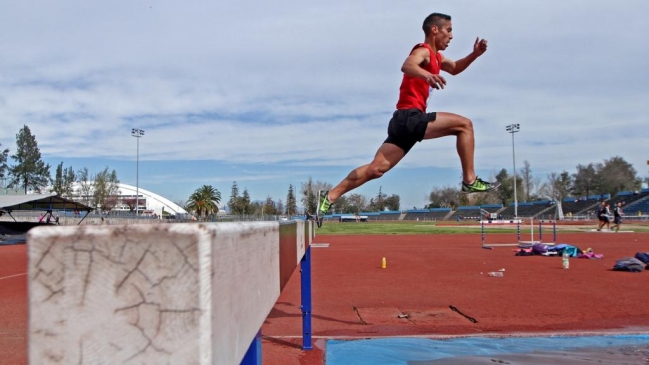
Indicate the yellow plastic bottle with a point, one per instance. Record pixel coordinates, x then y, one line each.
384 263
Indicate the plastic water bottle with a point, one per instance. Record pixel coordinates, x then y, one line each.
565 259
496 274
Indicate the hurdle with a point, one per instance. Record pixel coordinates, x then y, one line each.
519 242
183 293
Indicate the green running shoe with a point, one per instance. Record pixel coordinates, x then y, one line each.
323 206
479 186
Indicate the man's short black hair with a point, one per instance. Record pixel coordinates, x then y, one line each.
437 19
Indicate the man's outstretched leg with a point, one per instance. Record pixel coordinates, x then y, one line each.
449 124
385 158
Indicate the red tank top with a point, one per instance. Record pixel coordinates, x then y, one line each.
413 93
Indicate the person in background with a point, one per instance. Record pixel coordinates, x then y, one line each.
602 216
617 216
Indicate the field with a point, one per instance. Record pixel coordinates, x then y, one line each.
446 227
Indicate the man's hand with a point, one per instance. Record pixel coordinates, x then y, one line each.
480 46
435 81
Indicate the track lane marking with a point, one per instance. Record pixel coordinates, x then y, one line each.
13 276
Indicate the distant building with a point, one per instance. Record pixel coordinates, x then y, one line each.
148 203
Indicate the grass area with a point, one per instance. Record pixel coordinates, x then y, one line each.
408 227
365 228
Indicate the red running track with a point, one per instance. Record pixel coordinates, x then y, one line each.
353 297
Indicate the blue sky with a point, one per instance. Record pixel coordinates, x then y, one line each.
270 93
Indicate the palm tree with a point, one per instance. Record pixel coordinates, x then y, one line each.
204 201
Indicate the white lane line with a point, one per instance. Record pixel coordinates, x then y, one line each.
12 276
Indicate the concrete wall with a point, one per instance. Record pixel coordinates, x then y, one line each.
154 294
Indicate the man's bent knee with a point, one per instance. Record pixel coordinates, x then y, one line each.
466 124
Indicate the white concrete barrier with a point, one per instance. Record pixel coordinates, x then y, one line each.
154 294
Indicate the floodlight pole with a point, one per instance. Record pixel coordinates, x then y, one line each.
513 128
137 133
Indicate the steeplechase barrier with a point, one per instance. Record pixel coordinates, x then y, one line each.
519 241
161 294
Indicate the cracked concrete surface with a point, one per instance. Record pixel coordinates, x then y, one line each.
150 294
128 294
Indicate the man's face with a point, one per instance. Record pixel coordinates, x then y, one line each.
443 35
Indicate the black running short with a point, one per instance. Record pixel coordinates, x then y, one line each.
407 127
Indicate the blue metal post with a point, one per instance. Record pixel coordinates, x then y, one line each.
305 275
253 355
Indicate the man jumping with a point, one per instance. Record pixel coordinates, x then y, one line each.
411 124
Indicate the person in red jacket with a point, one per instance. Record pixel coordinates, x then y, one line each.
411 123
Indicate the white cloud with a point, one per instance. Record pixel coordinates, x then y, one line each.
293 83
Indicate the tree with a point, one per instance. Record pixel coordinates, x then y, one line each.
105 186
3 162
529 183
63 182
584 181
557 186
269 207
204 201
233 203
445 197
85 186
130 203
506 189
309 197
291 202
352 204
377 204
393 202
244 202
280 207
616 175
310 194
255 208
29 171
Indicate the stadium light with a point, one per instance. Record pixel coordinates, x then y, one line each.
137 133
513 128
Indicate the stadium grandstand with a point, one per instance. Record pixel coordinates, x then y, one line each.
540 209
471 212
636 204
433 214
491 208
573 206
394 215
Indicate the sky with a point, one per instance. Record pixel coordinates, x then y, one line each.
270 93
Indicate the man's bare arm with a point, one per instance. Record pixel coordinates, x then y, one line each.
413 67
455 67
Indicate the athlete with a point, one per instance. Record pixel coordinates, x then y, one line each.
411 123
617 216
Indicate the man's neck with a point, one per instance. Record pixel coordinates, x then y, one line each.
431 44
